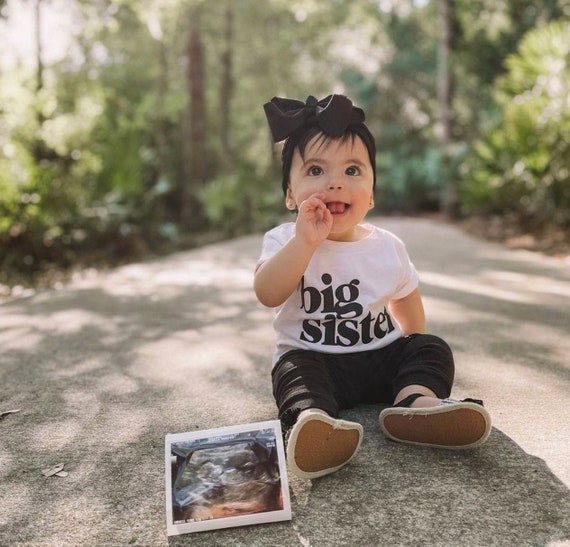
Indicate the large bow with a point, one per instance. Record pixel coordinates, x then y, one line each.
333 115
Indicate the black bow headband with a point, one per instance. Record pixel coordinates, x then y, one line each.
333 115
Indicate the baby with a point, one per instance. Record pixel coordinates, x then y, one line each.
349 316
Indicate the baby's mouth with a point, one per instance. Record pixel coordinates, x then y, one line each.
337 207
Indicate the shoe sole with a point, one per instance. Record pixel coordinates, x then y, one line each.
456 426
320 445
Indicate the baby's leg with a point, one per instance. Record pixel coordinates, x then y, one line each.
428 397
317 442
419 415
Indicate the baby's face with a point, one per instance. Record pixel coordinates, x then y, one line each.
342 174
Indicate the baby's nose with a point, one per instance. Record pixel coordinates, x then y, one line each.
335 183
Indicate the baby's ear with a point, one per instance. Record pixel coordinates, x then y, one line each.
290 201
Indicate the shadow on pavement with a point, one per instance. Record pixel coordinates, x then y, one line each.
400 495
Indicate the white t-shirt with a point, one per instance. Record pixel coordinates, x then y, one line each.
341 303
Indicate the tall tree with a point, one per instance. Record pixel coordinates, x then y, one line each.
161 133
39 146
195 162
227 87
445 99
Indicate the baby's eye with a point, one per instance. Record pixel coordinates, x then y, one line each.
315 171
353 171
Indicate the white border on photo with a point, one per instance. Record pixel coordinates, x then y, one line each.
175 528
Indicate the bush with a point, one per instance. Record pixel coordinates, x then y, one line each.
522 166
409 181
242 201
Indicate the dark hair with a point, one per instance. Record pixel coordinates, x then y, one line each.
301 138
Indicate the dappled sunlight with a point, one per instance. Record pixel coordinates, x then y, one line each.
19 339
512 392
506 378
71 321
174 360
527 282
81 402
204 273
496 253
18 331
166 360
158 281
27 333
7 461
215 313
85 367
474 287
57 434
439 310
116 384
528 334
261 335
119 425
181 344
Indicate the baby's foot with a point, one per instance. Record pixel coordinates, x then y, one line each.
433 422
319 445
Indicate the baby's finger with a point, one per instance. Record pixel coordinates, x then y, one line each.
314 202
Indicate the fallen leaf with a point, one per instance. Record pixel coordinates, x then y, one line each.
53 470
5 413
62 474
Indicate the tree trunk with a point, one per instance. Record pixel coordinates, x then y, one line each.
227 88
445 99
195 156
162 141
39 60
39 148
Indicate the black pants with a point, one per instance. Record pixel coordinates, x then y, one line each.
331 382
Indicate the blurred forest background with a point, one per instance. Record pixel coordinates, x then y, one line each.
130 127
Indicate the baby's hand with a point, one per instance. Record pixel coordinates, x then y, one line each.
314 220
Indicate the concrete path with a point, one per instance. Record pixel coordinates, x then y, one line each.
103 369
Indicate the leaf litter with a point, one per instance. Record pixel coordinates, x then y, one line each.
5 413
56 470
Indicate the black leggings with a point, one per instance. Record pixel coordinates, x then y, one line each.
331 382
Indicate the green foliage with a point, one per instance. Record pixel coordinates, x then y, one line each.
242 201
97 151
409 180
80 160
521 165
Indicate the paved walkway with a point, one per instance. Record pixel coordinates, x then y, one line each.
102 369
